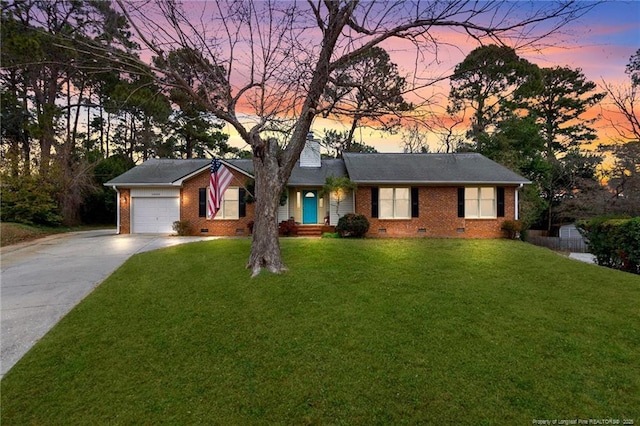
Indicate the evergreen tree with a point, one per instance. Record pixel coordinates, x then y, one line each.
368 90
557 102
485 82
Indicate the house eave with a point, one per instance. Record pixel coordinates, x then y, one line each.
205 168
190 175
179 182
146 185
238 169
440 183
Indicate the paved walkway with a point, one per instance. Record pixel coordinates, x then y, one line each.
42 280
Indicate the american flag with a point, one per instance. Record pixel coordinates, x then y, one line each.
218 184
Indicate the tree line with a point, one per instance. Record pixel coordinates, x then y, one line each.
532 120
73 117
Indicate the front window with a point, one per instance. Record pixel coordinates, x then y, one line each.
229 207
480 203
395 203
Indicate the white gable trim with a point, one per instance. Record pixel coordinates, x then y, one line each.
190 175
180 181
244 172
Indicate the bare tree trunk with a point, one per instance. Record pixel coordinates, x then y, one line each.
273 168
88 136
26 142
349 142
46 94
103 149
102 135
14 139
68 93
129 136
265 245
74 131
13 157
478 126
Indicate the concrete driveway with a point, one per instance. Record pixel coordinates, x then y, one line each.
43 280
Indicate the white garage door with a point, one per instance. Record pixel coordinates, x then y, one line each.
154 215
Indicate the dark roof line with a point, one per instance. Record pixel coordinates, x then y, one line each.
381 168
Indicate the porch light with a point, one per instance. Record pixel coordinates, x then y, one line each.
124 199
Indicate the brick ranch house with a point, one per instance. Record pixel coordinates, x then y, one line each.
402 195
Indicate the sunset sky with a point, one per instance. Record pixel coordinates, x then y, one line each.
600 44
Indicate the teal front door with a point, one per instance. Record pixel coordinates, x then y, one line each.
310 207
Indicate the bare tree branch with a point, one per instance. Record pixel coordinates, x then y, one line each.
625 101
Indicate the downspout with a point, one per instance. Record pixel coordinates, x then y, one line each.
517 202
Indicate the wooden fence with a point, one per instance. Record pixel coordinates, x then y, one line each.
575 245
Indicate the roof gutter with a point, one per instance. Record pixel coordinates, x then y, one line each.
447 182
517 202
146 185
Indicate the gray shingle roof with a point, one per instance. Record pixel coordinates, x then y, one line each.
163 172
467 168
159 171
245 166
301 176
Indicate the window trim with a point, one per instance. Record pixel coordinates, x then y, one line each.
479 199
394 201
220 215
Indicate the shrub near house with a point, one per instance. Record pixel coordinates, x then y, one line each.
352 225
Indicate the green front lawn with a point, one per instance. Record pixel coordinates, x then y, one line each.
358 332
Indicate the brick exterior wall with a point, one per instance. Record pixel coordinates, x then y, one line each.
189 207
125 210
438 216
